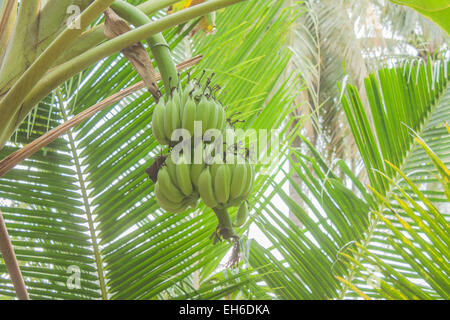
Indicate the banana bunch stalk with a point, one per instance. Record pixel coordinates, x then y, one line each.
183 108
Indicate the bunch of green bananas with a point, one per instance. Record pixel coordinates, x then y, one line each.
223 183
226 185
183 108
174 189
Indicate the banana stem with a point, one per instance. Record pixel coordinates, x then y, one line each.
225 225
153 6
8 15
158 45
226 231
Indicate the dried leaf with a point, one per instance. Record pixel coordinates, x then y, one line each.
136 53
153 170
181 5
206 24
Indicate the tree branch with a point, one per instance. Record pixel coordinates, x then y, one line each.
7 21
11 263
158 45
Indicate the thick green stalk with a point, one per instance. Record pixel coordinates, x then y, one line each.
53 18
21 49
7 20
153 6
11 103
158 45
39 24
225 225
83 61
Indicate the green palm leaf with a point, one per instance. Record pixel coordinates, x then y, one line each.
91 203
338 224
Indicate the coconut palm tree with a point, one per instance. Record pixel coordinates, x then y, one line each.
376 241
337 40
81 212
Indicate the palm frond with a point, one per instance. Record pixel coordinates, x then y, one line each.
338 223
91 186
412 260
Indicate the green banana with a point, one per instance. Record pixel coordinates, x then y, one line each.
250 180
176 121
183 173
165 203
238 180
189 115
213 169
158 123
205 188
241 215
196 169
222 183
221 117
180 185
176 97
181 109
167 186
185 95
213 115
203 113
171 168
170 106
